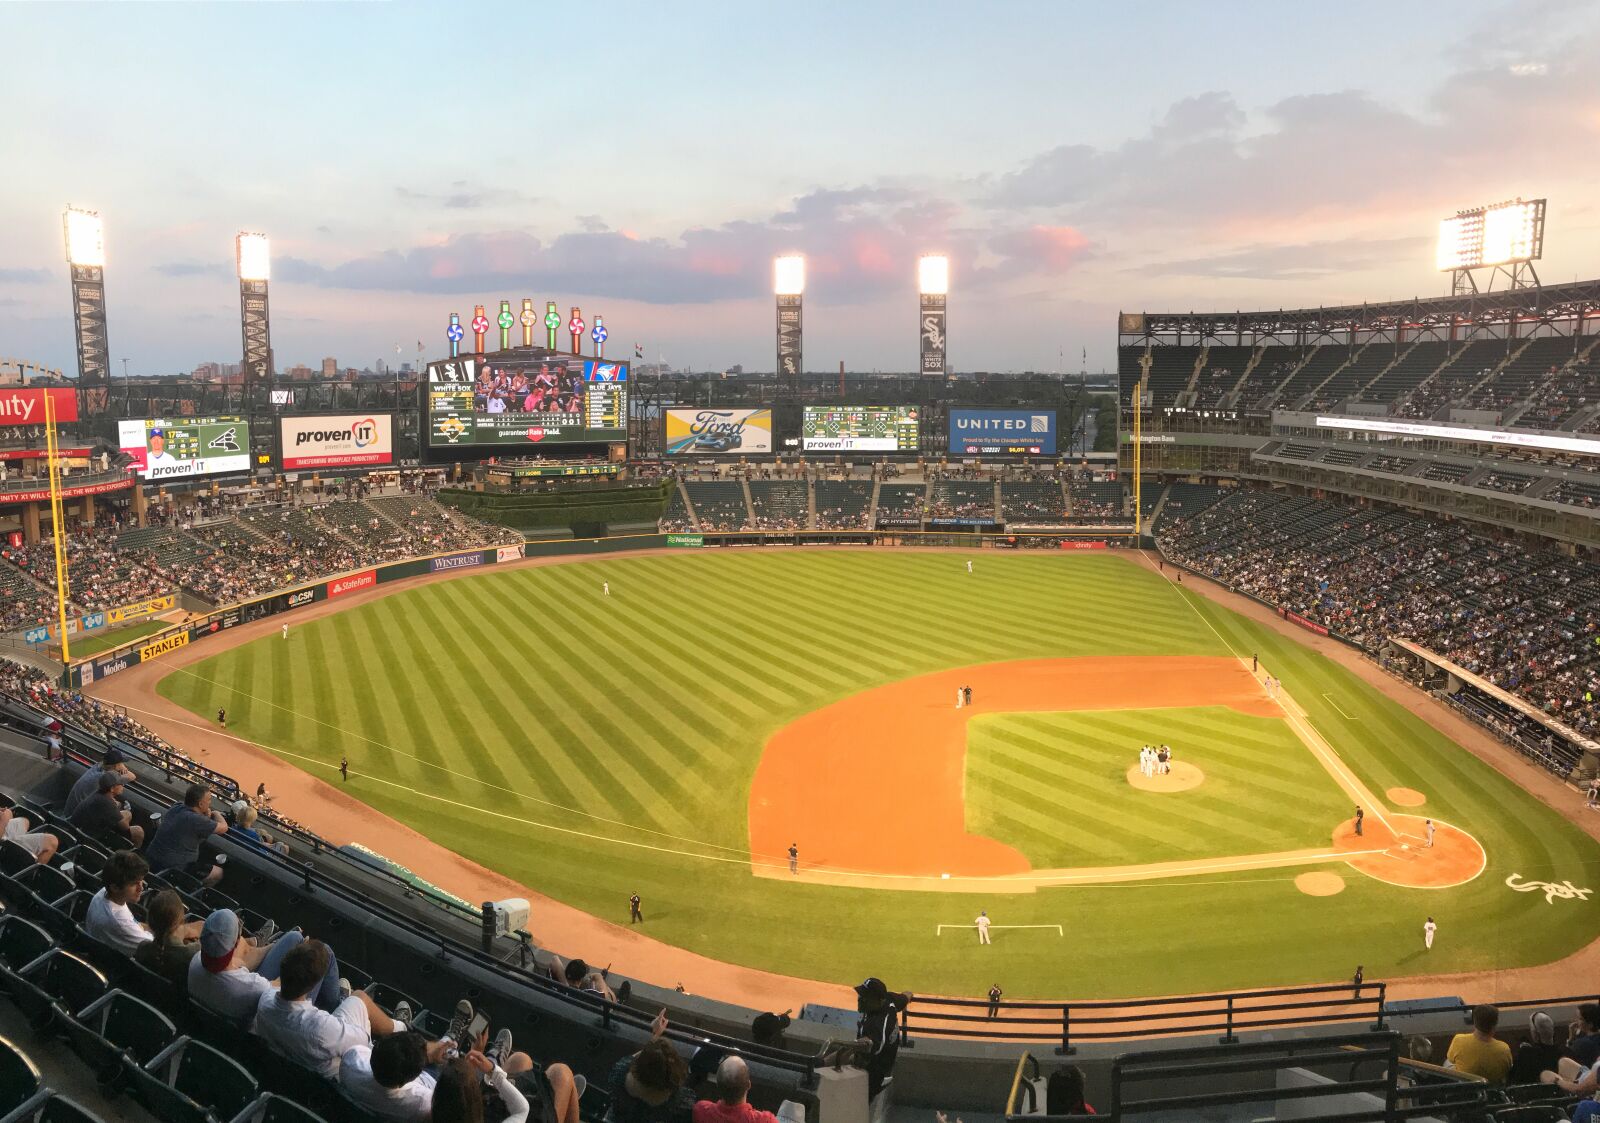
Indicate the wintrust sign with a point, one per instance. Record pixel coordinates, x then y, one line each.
457 561
25 406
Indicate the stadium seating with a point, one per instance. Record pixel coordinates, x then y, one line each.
1524 619
901 502
1095 502
1451 384
1033 502
1221 371
843 504
1367 364
951 499
780 504
1311 372
676 517
719 504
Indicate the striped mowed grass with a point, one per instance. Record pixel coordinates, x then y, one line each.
592 746
1055 786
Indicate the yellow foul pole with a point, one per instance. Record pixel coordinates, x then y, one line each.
1138 448
58 522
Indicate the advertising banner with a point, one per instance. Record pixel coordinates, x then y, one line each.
552 400
42 494
932 333
1003 432
1078 544
789 337
689 540
456 561
709 431
352 582
507 553
140 609
166 450
336 441
1308 625
163 646
24 405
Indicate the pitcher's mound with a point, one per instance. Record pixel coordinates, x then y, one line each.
1319 884
1182 777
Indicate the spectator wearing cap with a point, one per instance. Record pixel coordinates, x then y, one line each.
183 828
87 784
767 1029
293 1027
231 973
102 814
732 1104
878 1031
18 829
1538 1054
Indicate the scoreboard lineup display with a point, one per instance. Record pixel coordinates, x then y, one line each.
561 400
860 429
168 450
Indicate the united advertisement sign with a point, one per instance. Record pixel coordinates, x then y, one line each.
1002 432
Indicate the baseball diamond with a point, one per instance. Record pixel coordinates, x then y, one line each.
676 739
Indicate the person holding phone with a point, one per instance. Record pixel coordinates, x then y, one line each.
524 1090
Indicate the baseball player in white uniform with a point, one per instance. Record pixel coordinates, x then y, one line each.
286 631
1428 930
969 567
983 927
958 697
605 588
1428 823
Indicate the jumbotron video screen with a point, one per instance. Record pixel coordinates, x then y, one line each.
562 400
860 429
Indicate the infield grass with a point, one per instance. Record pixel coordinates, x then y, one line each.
593 746
1055 786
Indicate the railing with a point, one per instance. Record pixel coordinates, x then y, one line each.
1068 1024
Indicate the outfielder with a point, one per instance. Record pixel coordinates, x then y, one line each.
605 588
969 567
1428 930
286 631
983 927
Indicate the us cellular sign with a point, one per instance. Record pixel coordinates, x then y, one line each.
338 441
1000 432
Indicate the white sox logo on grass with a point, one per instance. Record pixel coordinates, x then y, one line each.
1553 890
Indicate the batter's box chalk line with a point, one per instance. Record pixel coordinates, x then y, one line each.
939 928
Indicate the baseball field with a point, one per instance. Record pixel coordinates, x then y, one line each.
675 737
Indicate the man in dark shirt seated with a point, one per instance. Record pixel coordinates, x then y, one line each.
183 828
1583 1038
101 814
85 785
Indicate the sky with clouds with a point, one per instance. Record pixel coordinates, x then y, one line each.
646 161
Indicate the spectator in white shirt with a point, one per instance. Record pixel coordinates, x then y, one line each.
231 973
295 1028
110 917
390 1078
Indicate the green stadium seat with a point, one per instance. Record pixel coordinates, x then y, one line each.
22 941
19 1077
53 1108
190 1082
14 857
116 1031
70 982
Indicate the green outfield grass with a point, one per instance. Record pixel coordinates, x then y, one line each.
591 746
1055 787
83 646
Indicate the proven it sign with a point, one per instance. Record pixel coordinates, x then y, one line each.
25 405
337 441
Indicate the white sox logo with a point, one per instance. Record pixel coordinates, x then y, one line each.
1553 890
933 332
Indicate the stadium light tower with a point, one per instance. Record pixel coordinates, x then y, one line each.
253 253
789 284
933 288
1506 239
86 257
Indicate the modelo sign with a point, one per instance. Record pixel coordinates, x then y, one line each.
990 432
338 441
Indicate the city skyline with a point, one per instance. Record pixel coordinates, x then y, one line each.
1096 158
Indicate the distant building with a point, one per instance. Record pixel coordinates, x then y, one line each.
298 373
330 368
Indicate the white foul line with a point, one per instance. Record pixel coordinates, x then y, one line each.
1336 706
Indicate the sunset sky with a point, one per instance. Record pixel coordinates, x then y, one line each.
645 161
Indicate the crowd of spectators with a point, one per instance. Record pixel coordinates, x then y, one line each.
1526 620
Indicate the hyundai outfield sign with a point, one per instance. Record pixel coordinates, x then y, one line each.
999 432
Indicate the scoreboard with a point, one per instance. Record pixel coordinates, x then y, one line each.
555 399
860 429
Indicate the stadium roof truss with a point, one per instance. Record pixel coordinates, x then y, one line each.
1569 309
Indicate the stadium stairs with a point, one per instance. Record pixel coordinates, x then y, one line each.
688 505
872 508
